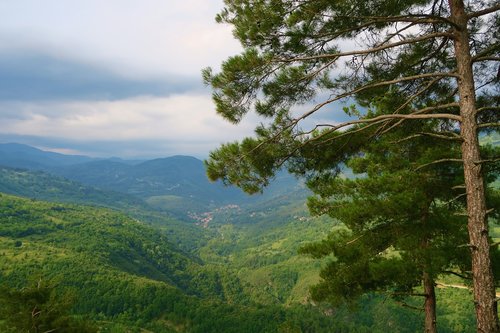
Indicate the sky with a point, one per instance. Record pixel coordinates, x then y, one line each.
113 77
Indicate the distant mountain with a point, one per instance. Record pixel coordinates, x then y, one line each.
181 176
178 183
23 156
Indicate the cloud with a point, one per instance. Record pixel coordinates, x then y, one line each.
42 77
140 39
115 77
181 124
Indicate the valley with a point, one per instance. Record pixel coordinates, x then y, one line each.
153 246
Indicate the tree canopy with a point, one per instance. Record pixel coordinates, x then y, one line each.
386 64
404 229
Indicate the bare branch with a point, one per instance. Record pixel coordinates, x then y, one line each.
406 305
484 11
393 116
458 274
466 245
453 136
486 58
374 85
484 125
487 161
467 215
434 135
354 240
456 198
408 294
439 161
488 108
445 285
369 51
418 18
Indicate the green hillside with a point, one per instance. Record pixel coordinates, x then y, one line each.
124 273
45 186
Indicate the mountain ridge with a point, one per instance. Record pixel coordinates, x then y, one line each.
173 181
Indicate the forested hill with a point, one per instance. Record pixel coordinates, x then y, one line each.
122 275
45 186
176 184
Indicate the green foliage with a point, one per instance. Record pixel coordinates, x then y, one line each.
37 308
400 222
402 212
111 267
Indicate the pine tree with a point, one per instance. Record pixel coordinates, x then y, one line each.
37 308
439 57
402 227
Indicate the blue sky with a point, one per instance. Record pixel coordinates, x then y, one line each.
113 78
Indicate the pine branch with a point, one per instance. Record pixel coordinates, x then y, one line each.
409 100
370 121
379 19
491 49
393 116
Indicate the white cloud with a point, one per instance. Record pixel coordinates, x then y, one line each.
186 121
141 39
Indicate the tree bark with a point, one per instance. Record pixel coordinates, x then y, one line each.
483 281
430 304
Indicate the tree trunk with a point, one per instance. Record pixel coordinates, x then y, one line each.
483 281
430 304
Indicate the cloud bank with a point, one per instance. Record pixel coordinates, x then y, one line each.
114 78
